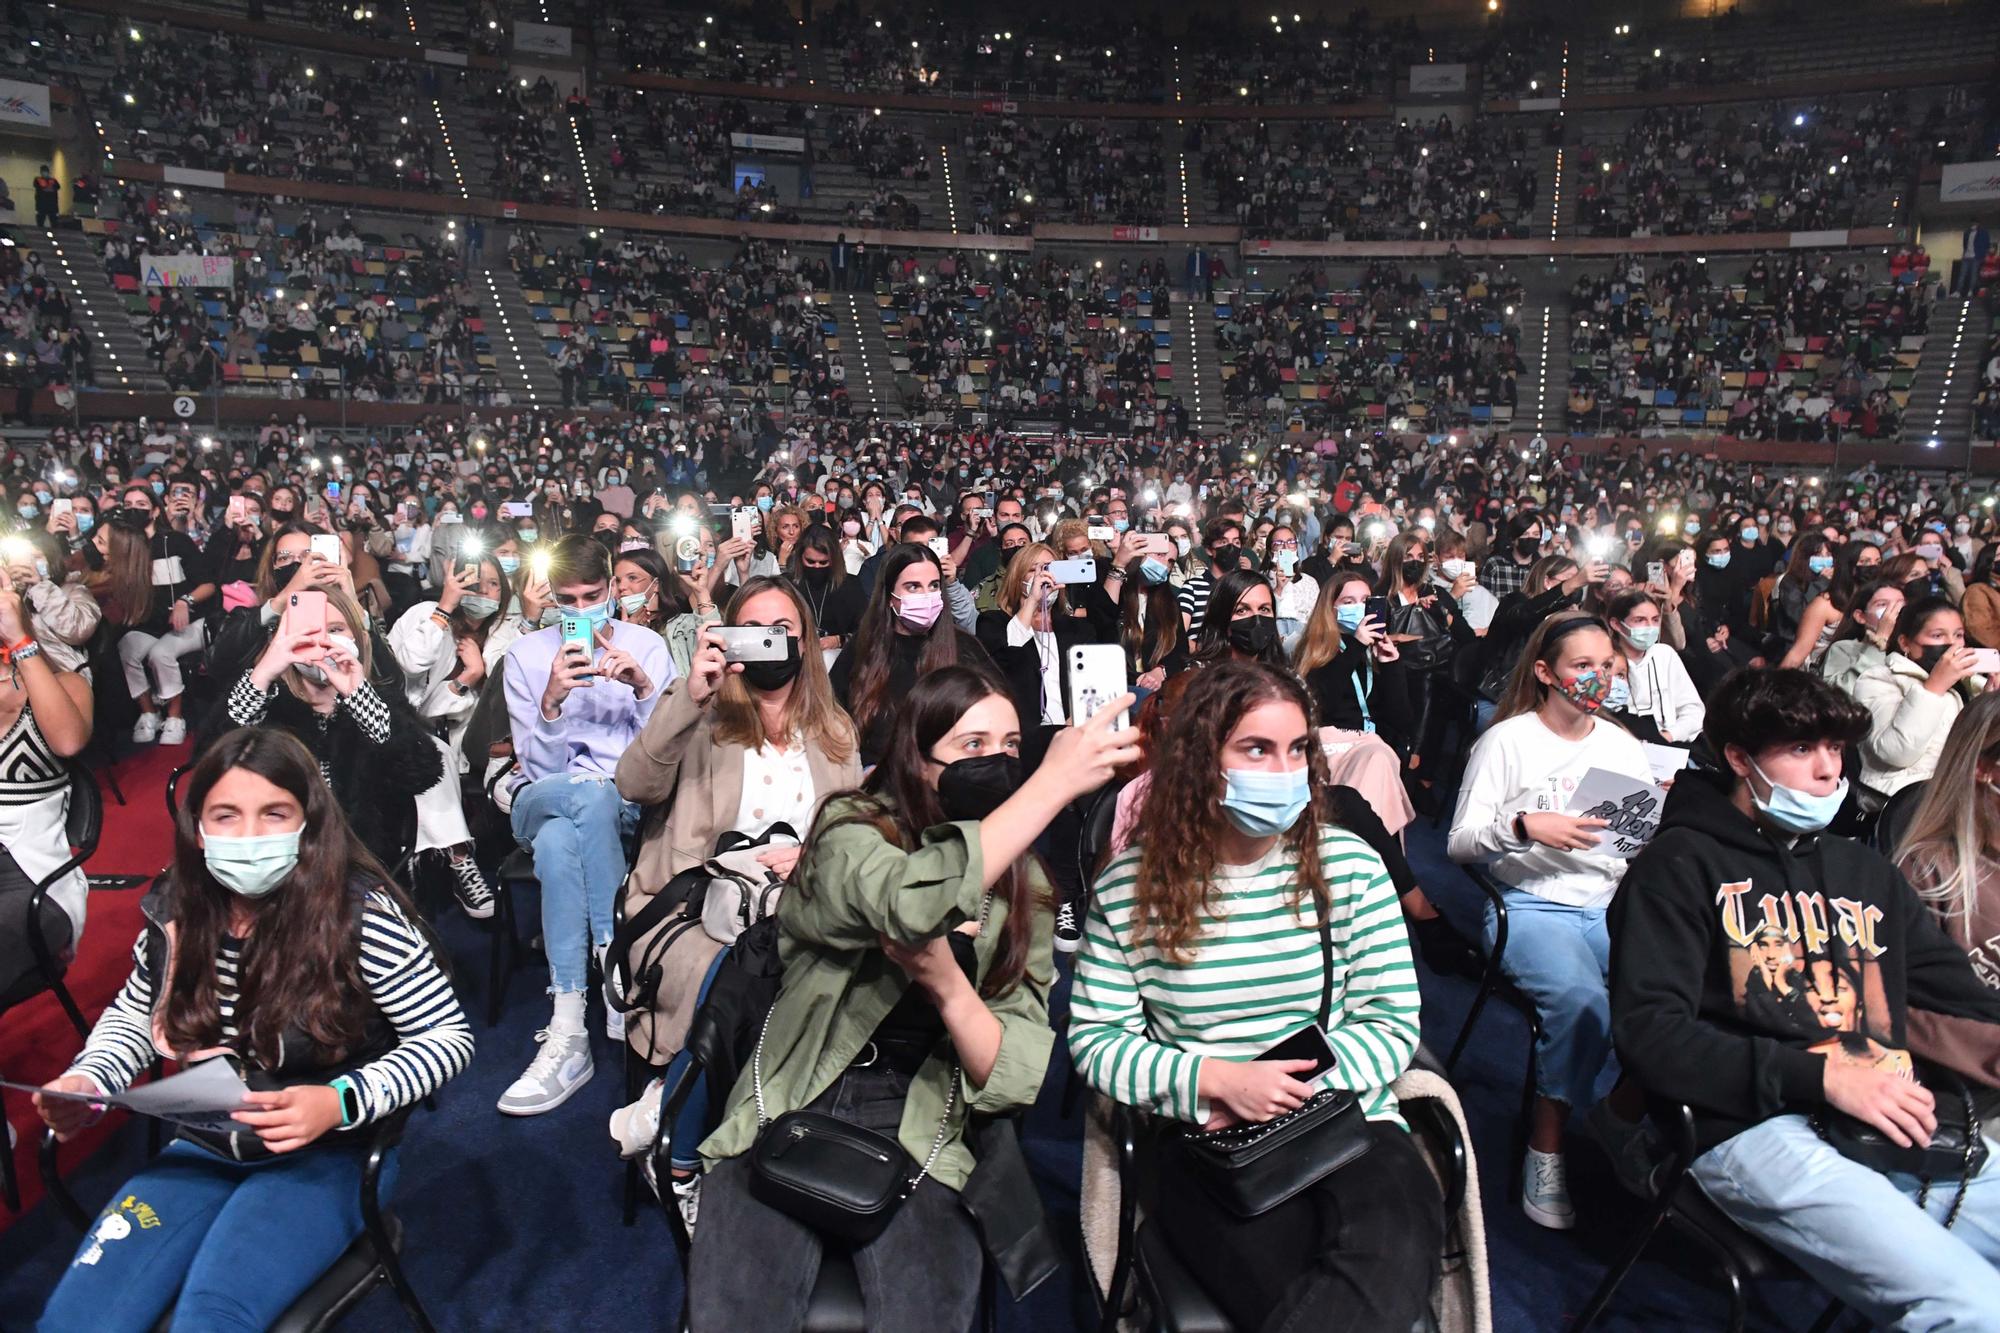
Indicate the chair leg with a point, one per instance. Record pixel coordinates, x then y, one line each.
108 770
385 1251
1526 1123
500 959
1828 1318
1627 1257
1487 985
630 1200
10 1187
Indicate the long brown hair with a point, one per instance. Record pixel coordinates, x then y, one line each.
1151 628
1321 641
875 638
811 712
126 578
899 803
301 965
1183 815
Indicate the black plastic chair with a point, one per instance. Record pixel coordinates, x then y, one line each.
83 828
1679 1200
1176 1300
371 1260
517 868
1894 819
1493 982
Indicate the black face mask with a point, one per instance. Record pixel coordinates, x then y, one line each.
1227 558
774 675
816 578
1931 656
1527 546
1254 635
974 788
1413 572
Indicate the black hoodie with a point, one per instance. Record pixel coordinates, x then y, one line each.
1741 960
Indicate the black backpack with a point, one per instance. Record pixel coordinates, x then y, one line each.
723 1035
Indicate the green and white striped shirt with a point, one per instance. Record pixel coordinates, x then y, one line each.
1140 1024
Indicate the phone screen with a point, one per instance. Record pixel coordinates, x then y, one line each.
1308 1043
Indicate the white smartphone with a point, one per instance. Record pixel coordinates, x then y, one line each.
752 643
940 547
1101 532
62 505
743 524
1985 661
517 509
1096 677
326 546
1656 573
1081 570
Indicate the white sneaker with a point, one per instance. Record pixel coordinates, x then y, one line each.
174 731
147 729
614 1019
1545 1191
687 1198
559 1068
636 1126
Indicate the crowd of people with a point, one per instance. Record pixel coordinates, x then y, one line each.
838 677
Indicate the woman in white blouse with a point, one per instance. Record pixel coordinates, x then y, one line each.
1296 593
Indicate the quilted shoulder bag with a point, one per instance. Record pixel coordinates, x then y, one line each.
1956 1150
1250 1169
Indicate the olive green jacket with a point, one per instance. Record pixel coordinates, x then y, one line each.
839 985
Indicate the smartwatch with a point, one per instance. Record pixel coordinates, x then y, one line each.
1521 826
350 1099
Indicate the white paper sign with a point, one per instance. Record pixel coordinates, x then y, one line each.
201 1096
1631 807
1664 760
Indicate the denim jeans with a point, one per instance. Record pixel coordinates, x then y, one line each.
239 1241
753 1267
1560 957
691 1126
575 825
1859 1233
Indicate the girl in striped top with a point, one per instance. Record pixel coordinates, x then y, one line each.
1203 950
283 944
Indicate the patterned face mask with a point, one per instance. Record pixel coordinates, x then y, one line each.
1586 689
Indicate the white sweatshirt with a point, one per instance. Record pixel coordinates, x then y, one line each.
1520 766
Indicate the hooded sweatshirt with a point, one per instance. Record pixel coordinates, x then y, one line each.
1742 960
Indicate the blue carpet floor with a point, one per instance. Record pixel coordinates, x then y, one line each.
514 1224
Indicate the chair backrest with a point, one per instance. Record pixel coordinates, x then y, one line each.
1093 840
1895 818
174 791
85 824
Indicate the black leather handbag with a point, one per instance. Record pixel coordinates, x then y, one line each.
842 1180
1251 1169
1956 1150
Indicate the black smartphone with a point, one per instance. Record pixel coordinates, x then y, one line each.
1308 1043
1377 609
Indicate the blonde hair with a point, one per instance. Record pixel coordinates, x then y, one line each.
1946 839
811 712
1321 641
1012 580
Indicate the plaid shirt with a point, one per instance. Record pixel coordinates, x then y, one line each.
1502 574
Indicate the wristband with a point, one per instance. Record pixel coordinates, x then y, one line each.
350 1099
1521 826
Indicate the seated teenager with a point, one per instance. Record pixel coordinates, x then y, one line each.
573 712
281 942
318 685
1351 664
1950 850
1651 694
917 968
1765 974
732 748
1556 877
1202 950
1913 697
1862 642
1239 622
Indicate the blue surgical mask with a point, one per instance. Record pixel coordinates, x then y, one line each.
84 522
633 604
251 867
528 534
764 503
1350 617
510 565
477 607
1154 571
1120 524
1263 805
1819 564
28 509
1642 637
597 616
1748 533
159 488
1797 811
1619 697
1719 561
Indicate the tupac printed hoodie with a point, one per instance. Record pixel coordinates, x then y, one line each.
1743 959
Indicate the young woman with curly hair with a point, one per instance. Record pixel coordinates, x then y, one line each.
1204 949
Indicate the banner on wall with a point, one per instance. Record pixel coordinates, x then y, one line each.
1135 233
542 39
25 104
1969 182
768 143
188 271
1437 78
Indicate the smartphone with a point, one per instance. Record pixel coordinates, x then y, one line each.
1985 661
62 505
743 524
1096 677
1308 1043
236 512
1159 545
1656 573
752 643
577 630
517 509
940 547
1083 569
687 554
982 513
1377 610
306 613
1101 532
1931 551
327 547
